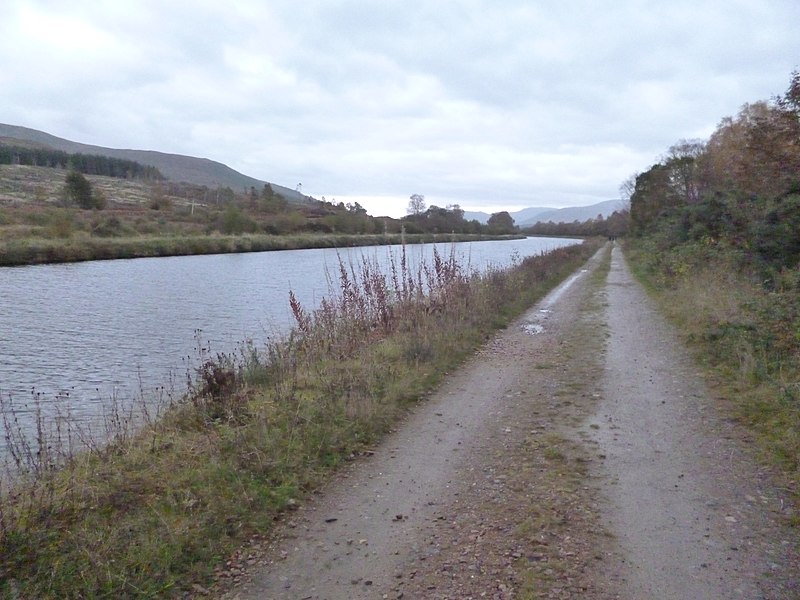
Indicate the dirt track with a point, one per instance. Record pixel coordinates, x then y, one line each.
576 456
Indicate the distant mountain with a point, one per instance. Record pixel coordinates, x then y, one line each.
175 167
521 215
572 213
538 214
527 214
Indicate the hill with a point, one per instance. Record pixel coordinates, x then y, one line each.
175 167
538 214
572 213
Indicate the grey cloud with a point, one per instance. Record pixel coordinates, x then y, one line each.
472 100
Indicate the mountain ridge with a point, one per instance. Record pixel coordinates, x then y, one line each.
176 167
540 214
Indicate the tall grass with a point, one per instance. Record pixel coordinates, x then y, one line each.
159 505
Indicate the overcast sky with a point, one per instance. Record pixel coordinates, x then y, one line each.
490 104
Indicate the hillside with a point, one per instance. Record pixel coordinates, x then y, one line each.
573 213
175 167
539 214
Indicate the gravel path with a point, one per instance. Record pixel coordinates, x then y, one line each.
571 457
694 514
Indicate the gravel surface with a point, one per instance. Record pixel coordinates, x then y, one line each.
576 455
694 513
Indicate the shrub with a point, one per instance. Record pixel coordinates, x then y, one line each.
78 190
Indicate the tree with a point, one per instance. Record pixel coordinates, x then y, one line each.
456 210
652 196
235 222
445 220
758 151
272 202
78 190
355 208
501 222
626 189
682 163
416 205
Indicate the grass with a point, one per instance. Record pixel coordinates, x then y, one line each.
155 509
745 334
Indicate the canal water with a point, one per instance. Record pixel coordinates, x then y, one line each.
77 338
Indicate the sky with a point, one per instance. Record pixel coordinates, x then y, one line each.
489 104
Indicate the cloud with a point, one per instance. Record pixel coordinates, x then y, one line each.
505 103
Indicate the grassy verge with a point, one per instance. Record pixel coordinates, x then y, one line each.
152 512
28 251
748 336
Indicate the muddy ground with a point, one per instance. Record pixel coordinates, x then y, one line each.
577 455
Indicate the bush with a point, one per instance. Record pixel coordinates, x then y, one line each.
78 191
776 238
235 222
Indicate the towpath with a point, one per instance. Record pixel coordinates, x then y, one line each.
577 455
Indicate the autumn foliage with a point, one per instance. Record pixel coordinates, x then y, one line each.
716 235
740 188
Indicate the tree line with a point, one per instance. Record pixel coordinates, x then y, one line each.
88 164
739 189
434 219
613 226
268 212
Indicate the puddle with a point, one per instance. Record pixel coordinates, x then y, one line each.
533 328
